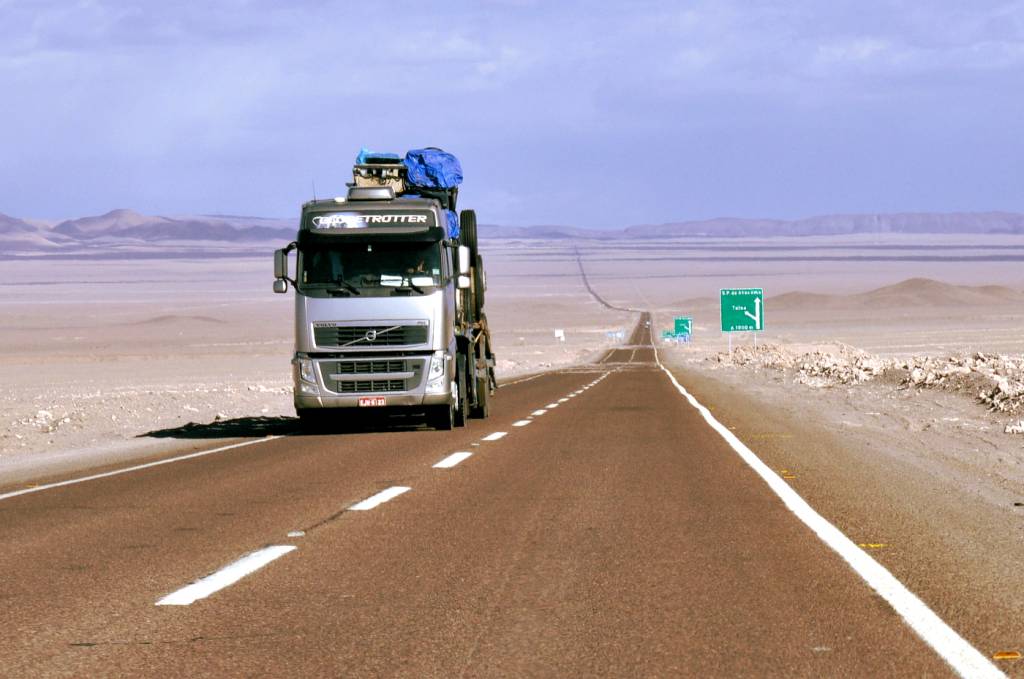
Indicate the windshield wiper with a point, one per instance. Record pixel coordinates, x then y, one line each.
412 286
345 287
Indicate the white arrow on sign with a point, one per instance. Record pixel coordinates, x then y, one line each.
756 316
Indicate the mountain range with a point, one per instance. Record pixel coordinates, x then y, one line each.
126 230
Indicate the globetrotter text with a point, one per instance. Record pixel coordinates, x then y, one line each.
355 220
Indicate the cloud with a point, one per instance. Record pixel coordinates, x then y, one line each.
254 96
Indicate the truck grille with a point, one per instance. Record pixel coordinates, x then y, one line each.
360 335
370 386
367 367
372 376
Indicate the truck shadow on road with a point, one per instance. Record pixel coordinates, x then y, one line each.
258 427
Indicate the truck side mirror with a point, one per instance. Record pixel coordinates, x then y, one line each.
280 265
464 282
464 262
280 285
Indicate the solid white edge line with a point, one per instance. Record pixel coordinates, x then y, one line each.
379 499
521 423
452 460
950 646
495 436
229 575
135 468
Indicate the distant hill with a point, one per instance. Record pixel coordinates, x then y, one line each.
128 224
925 291
17 235
909 294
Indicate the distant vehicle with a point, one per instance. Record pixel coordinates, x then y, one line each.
389 303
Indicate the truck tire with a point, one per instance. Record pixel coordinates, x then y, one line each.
478 287
482 409
442 417
467 229
462 406
309 419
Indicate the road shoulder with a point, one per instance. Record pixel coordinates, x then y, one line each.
947 531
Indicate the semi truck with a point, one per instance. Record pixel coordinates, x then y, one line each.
389 297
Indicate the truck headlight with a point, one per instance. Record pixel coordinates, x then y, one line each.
435 374
306 370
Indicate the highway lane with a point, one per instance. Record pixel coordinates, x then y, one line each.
607 531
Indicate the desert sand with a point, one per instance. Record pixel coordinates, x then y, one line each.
122 354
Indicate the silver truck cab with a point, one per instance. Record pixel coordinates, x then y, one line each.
376 315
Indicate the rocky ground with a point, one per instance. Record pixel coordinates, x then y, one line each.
995 382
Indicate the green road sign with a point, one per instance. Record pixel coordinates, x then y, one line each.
666 334
742 309
683 325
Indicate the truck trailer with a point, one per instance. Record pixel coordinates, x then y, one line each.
389 293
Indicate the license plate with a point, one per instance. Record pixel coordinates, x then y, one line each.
372 401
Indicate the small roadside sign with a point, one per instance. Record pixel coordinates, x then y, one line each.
683 325
742 309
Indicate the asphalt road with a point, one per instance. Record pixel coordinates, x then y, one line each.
610 531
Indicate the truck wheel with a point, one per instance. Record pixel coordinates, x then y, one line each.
467 229
482 410
442 418
307 418
478 287
462 407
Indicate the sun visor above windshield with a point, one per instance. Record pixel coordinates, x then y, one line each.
373 234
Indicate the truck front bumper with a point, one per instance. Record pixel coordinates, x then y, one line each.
397 400
319 387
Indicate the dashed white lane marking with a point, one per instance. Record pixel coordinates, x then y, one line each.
538 413
379 499
135 468
494 437
229 575
562 400
521 423
950 646
524 379
551 405
452 460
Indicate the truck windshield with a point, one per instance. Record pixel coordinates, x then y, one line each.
386 268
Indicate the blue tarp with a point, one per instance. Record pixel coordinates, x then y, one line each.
366 154
450 216
433 169
453 223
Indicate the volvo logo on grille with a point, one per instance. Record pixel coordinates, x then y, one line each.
371 335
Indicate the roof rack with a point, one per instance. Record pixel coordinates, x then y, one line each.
380 173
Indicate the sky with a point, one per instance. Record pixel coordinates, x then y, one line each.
590 114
